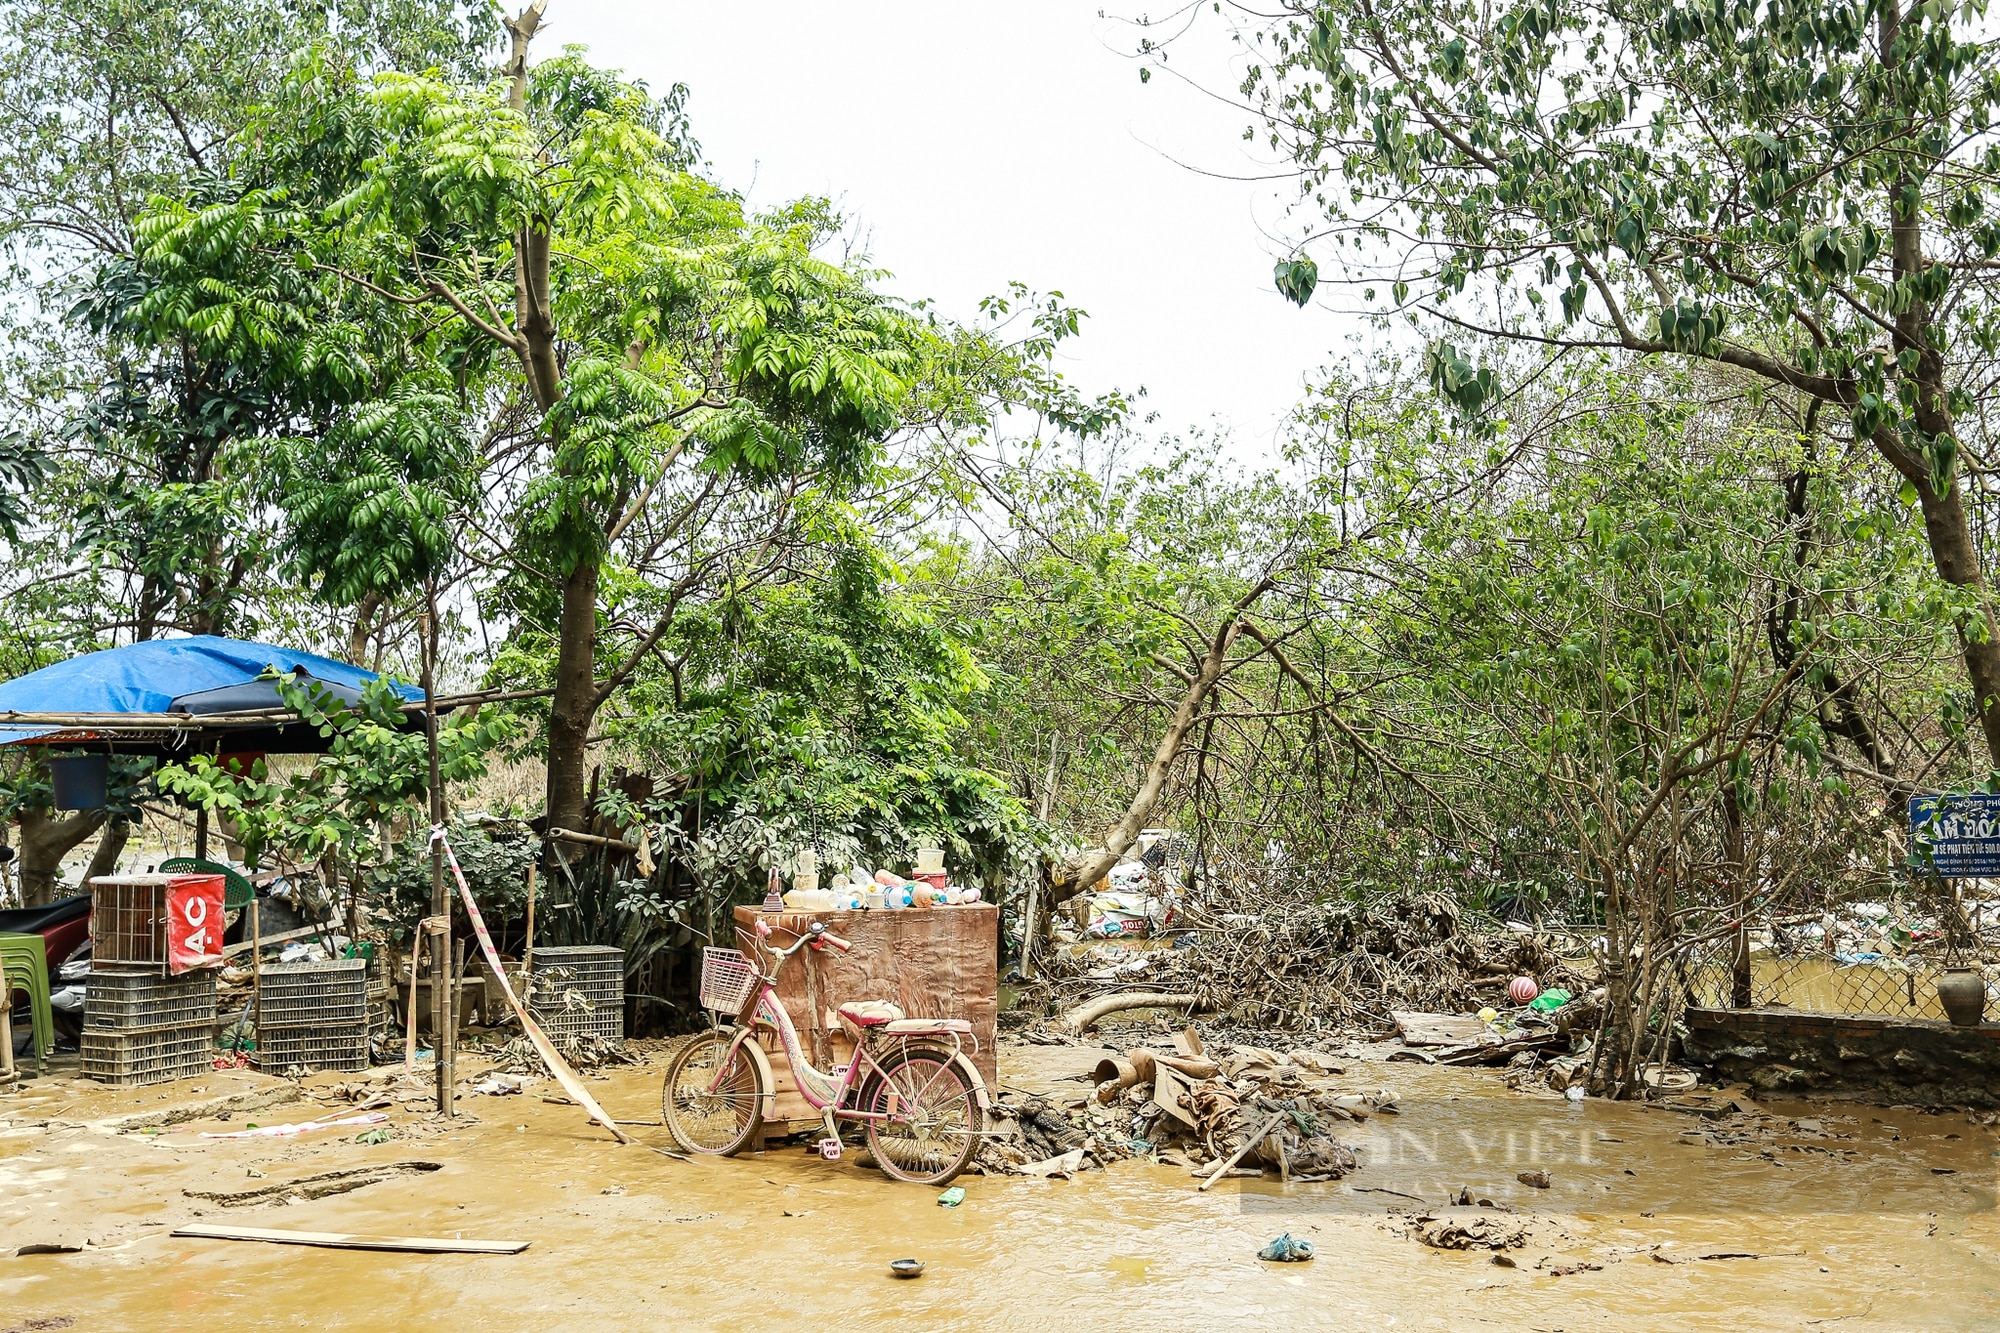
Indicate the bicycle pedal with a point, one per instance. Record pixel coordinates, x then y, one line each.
829 1149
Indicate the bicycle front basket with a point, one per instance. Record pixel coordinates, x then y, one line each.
726 978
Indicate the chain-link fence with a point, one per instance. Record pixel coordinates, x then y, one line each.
1823 982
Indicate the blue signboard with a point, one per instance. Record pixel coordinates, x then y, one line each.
1960 830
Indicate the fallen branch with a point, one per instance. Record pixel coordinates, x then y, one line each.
1084 1015
593 840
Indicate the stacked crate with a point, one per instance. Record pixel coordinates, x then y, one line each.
314 1016
579 991
140 1026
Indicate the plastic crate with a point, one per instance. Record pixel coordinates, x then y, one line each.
582 963
574 1012
581 953
331 1049
564 1030
136 998
313 995
134 1059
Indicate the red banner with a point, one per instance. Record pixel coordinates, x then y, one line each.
194 923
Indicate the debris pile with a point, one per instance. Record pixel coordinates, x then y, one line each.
1339 963
1236 1109
583 1050
1546 1043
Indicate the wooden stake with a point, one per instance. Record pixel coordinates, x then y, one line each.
256 973
341 1240
528 944
453 990
410 1031
440 905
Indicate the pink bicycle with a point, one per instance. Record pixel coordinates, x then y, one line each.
910 1083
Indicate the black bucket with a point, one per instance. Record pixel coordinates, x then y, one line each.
80 781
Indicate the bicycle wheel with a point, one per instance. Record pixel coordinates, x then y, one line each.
932 1117
713 1101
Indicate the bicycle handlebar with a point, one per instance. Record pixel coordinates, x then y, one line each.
815 935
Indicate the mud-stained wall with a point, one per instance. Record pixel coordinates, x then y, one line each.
1899 1061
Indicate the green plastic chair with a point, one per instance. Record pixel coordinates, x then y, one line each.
24 965
236 890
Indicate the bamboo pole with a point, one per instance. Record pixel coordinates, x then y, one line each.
528 943
410 1029
256 974
441 1014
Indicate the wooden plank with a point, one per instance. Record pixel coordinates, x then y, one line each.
245 946
341 1240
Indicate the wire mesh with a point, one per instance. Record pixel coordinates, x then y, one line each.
128 919
726 978
1822 983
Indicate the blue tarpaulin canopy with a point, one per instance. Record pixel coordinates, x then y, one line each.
124 697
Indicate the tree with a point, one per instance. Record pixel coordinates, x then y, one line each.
105 107
1794 190
132 489
624 330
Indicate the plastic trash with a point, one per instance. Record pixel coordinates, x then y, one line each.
1549 1000
1576 1094
952 1197
1287 1250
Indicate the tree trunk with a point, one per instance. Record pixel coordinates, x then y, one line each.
576 700
1957 563
110 846
1097 862
45 840
1733 846
364 622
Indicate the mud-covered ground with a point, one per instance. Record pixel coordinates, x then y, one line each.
1857 1218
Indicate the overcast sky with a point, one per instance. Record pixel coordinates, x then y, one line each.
979 144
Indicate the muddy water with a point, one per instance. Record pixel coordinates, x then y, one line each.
1852 1212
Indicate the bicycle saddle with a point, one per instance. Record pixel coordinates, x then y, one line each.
870 1013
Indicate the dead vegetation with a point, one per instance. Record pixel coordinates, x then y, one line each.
1342 964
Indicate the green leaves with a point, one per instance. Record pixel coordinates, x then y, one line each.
370 503
1296 279
377 766
1689 326
1468 388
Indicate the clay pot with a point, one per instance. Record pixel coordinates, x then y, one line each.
1119 1073
1141 1061
1962 992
